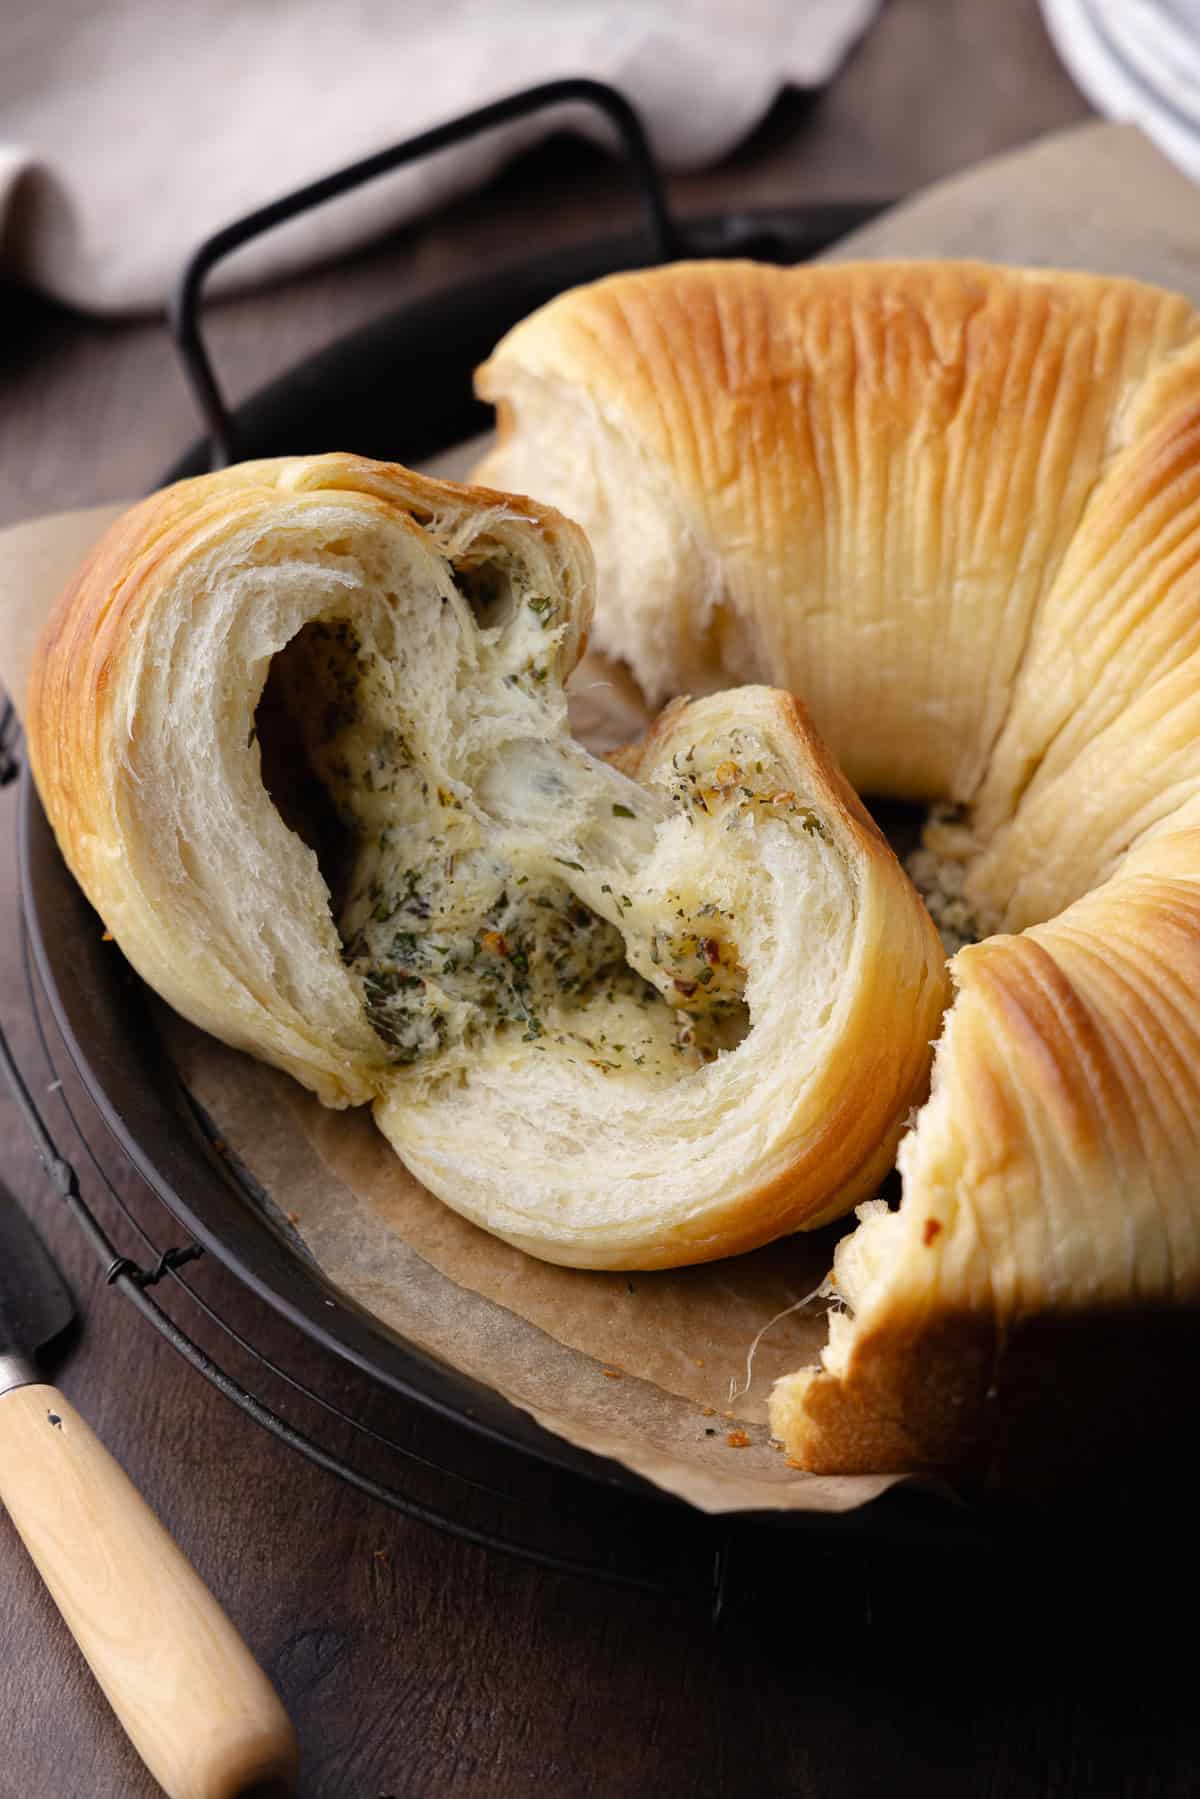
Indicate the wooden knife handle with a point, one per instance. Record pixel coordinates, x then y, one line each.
198 1708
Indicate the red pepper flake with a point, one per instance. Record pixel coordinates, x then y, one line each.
737 1439
933 1228
493 942
712 952
687 988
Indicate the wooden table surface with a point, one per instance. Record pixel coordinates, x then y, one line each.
415 1664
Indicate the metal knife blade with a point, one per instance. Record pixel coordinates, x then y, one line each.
35 1302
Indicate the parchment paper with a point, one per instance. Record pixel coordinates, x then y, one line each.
634 1366
1097 197
651 1369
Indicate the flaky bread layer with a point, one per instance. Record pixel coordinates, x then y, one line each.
957 507
141 729
1052 1175
845 992
625 1016
892 487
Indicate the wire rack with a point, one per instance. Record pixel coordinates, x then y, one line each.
401 1457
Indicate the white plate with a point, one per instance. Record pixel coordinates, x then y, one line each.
1137 60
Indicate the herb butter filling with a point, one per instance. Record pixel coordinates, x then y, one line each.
462 914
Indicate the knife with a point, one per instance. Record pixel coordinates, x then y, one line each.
194 1702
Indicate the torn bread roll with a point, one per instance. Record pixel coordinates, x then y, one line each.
1052 1174
302 733
957 507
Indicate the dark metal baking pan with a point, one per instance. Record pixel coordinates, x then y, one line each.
398 389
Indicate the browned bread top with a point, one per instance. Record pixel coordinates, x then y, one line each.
957 507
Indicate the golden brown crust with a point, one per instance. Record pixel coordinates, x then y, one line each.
1086 1401
912 1400
1050 1204
148 712
882 466
825 1099
958 508
846 1143
70 684
123 691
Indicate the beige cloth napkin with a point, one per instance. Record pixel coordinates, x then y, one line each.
131 129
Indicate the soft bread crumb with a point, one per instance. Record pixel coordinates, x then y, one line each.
423 634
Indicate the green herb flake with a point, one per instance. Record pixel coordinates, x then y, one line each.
624 812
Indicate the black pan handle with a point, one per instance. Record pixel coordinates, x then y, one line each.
10 768
184 305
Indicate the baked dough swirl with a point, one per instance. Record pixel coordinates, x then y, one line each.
956 507
301 731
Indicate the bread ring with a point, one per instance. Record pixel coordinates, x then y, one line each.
301 732
958 508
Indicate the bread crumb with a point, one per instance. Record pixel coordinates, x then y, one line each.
611 1373
737 1439
293 1217
793 1463
710 1411
699 1361
107 937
